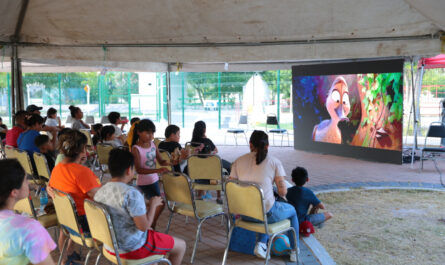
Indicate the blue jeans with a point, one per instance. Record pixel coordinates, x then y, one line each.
279 212
316 219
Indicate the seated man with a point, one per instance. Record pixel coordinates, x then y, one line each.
23 240
132 222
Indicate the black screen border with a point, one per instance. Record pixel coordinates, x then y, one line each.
367 153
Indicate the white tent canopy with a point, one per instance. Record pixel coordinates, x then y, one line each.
202 35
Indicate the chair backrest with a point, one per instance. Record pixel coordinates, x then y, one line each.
9 151
66 211
165 155
88 135
42 166
271 119
23 158
158 140
436 129
89 119
101 226
103 153
192 147
25 205
204 167
104 120
245 198
243 119
69 119
177 188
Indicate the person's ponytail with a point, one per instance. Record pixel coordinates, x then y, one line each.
260 141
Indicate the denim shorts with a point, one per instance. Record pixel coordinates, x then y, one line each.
316 219
151 190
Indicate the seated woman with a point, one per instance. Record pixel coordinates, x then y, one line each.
71 177
265 170
131 218
109 137
171 144
207 147
23 240
77 115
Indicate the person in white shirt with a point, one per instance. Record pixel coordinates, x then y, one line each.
115 120
52 119
265 170
77 115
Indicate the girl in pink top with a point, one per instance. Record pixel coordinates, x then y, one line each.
145 155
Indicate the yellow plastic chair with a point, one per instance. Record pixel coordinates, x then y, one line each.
26 205
102 230
42 166
165 155
25 162
179 197
103 154
206 167
192 147
68 217
9 151
245 198
158 140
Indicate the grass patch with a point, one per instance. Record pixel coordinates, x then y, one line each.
385 227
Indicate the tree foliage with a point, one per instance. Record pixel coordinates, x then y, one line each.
271 79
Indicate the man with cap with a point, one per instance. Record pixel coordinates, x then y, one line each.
33 109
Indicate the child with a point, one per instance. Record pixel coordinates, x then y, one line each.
301 198
46 148
131 218
96 130
23 240
171 145
109 137
133 120
52 119
145 155
115 120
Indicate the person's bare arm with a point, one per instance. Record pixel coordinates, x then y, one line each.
140 170
47 261
92 192
281 186
315 208
161 161
84 124
144 222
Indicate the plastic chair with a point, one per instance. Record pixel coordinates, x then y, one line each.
89 120
158 140
247 199
235 132
435 130
25 162
165 155
42 166
192 147
103 154
67 216
104 120
102 230
9 151
205 167
272 120
179 199
26 205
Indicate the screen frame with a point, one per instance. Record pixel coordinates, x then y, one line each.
367 153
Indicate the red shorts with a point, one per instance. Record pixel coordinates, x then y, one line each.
157 244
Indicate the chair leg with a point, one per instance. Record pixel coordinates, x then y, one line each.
282 136
169 222
198 235
295 240
288 143
236 140
269 247
88 256
245 136
98 258
421 160
63 251
226 251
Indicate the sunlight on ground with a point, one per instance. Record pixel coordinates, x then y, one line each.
385 227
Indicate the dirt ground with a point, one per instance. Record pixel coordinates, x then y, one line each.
385 227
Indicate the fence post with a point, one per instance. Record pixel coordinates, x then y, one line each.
219 100
278 96
129 94
183 100
9 98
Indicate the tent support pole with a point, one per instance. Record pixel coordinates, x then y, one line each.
18 101
169 107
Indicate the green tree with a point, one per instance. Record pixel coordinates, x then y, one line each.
270 77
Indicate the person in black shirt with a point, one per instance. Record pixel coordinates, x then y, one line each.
171 145
46 148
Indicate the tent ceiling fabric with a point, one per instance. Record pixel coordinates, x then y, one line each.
234 31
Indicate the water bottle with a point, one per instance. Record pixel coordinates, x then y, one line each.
43 199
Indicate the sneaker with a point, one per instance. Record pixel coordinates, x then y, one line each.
293 255
260 250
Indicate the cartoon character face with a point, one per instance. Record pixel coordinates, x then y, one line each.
337 102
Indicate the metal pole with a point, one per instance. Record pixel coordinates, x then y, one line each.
219 100
278 96
129 94
9 98
158 101
59 77
16 74
169 113
183 101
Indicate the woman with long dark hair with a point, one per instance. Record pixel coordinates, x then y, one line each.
77 115
265 170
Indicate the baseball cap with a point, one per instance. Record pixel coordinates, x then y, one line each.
306 228
32 108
